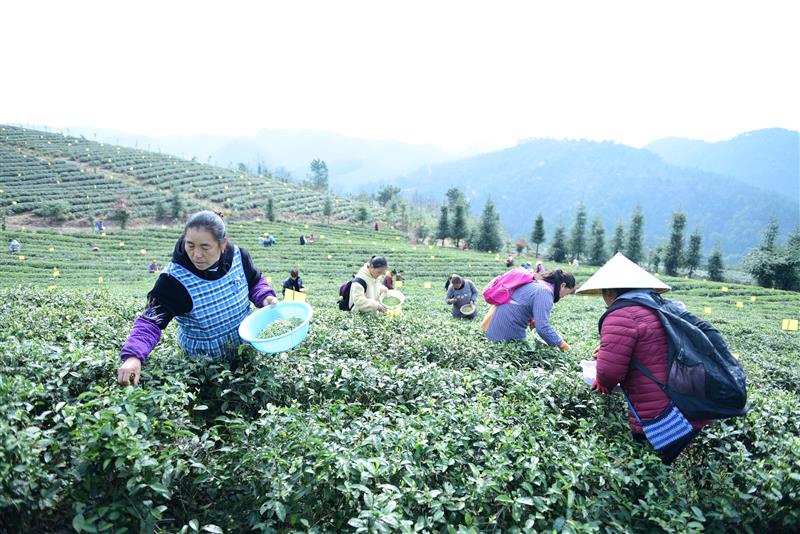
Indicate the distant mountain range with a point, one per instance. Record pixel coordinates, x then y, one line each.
769 158
552 176
351 162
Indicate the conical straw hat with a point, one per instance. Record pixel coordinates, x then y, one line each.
620 272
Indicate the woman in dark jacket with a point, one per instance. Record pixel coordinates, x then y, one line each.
388 280
207 288
294 282
461 293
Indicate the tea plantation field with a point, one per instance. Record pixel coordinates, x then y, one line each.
39 168
413 423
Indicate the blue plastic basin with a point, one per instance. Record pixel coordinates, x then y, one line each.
257 321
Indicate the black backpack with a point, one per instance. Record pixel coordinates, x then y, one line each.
344 293
704 380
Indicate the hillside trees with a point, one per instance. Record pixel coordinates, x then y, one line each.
633 250
538 235
597 243
715 266
618 241
459 228
694 255
577 242
558 250
443 227
673 255
319 174
489 234
775 265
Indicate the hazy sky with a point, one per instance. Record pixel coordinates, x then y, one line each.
457 74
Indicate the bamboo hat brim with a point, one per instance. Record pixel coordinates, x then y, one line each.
620 272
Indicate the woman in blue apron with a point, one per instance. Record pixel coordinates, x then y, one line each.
207 288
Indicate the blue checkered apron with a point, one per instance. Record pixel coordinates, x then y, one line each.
211 328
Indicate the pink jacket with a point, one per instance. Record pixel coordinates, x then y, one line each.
636 331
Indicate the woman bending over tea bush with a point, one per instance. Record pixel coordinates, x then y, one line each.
530 307
207 288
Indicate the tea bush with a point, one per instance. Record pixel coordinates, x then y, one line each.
413 423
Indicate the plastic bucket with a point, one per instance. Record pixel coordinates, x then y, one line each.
396 294
257 321
467 309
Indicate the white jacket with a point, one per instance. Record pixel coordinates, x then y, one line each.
366 301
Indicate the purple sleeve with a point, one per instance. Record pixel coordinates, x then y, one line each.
141 341
541 314
259 291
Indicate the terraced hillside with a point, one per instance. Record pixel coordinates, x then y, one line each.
37 168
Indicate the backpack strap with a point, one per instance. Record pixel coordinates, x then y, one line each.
648 374
360 281
624 303
636 415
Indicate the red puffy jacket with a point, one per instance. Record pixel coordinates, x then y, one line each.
636 331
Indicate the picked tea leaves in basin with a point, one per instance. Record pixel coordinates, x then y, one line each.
393 299
280 327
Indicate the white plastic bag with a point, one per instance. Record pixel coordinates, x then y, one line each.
590 373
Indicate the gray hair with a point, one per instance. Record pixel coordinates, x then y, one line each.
210 222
